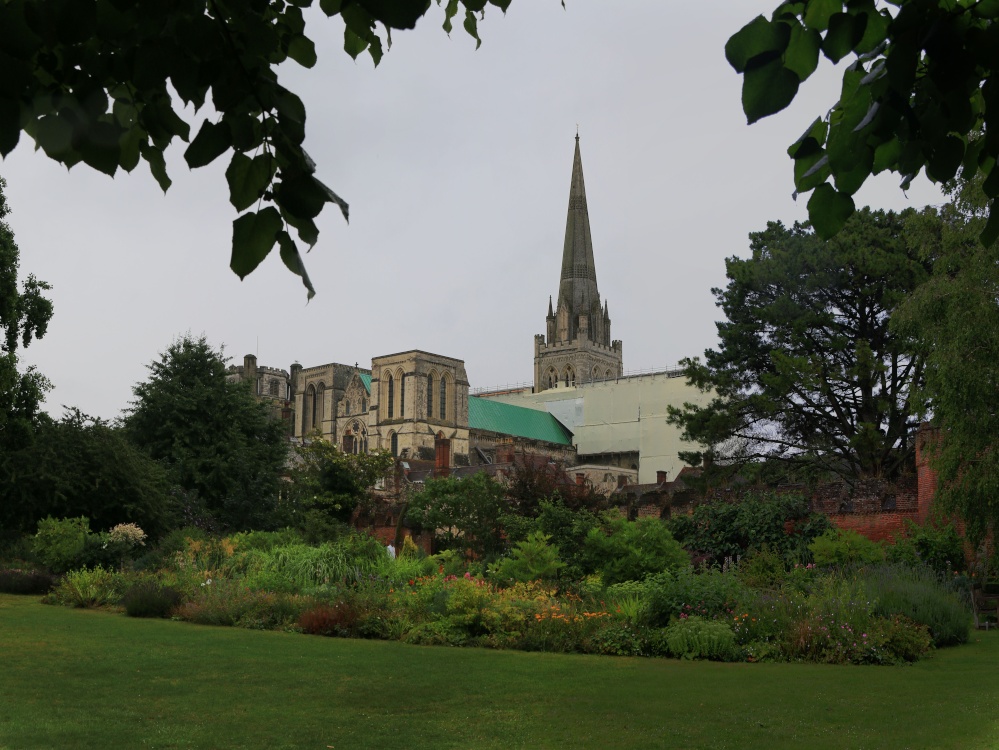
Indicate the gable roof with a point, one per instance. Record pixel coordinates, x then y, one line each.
507 419
365 380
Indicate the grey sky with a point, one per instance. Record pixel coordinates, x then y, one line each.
456 164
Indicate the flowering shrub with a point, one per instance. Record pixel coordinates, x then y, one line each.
127 534
338 619
709 594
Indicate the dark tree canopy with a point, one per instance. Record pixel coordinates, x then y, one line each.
82 466
213 435
919 87
24 316
808 367
956 317
92 81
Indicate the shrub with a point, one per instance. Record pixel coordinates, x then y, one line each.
25 582
845 547
684 593
615 639
339 620
918 594
60 543
87 587
763 569
939 548
697 638
150 599
533 559
220 602
631 550
902 639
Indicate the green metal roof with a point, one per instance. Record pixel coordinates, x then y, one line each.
507 419
366 380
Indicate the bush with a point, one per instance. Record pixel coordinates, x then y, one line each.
533 559
845 547
763 569
938 548
709 594
920 596
220 602
631 550
87 587
150 599
338 620
615 639
697 638
60 543
22 582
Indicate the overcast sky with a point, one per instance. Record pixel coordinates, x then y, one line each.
456 164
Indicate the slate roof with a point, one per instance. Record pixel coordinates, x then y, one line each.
507 419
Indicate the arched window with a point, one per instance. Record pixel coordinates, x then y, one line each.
402 395
570 377
320 407
430 396
309 412
395 443
346 406
364 406
443 398
596 373
552 377
391 399
609 375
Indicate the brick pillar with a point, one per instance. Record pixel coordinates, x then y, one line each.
927 440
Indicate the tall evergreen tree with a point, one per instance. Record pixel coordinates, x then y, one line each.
215 437
808 368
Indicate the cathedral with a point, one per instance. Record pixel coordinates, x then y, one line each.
583 410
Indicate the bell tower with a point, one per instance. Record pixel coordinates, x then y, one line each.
577 345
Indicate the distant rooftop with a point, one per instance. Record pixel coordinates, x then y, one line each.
493 390
518 421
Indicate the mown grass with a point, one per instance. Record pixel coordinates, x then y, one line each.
84 679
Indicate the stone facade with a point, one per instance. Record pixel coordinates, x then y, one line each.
269 384
317 392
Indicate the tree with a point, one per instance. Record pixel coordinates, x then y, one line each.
92 81
83 466
920 88
955 315
216 439
808 368
24 316
466 513
327 481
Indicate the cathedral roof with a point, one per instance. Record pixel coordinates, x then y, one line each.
365 380
507 419
578 285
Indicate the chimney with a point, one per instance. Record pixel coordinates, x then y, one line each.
661 477
250 372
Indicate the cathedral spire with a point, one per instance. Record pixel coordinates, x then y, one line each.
578 285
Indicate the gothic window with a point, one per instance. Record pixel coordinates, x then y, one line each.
402 395
596 373
570 377
609 375
430 396
320 407
395 443
552 378
346 407
364 406
443 397
309 413
391 399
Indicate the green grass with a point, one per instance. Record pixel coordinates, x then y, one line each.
79 679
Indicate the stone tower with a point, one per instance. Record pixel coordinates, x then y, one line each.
577 346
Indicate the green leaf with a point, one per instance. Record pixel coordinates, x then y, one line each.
842 35
154 158
472 27
100 148
213 140
54 134
767 89
293 260
802 55
330 7
248 178
810 141
353 45
301 196
758 37
945 159
396 14
253 236
818 13
302 50
129 148
828 210
10 125
886 156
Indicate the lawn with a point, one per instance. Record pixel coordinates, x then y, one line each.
80 679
